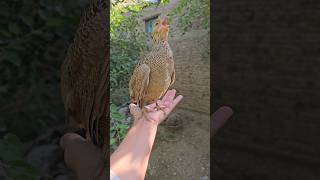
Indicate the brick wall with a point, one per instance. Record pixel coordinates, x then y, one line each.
266 66
191 56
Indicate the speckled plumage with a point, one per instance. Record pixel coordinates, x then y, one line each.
155 72
85 75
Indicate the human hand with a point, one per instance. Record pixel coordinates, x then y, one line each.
168 103
219 118
82 156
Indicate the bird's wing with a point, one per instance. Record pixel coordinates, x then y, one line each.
138 84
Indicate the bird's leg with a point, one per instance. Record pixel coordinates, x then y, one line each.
161 108
138 113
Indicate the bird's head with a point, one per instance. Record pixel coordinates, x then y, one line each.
160 30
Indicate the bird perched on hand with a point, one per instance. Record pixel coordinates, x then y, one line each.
85 76
155 71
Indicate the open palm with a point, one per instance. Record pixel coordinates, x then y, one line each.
167 104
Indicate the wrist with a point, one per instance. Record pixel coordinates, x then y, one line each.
150 123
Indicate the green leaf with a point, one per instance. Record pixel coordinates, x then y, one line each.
165 1
55 22
21 170
12 57
14 28
12 138
11 148
5 33
28 20
112 141
12 154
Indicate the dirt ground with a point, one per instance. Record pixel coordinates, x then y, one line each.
182 148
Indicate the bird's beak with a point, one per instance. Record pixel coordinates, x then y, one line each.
165 24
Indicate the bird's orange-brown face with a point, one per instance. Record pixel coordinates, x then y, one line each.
160 30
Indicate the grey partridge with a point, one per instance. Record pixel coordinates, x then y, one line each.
155 71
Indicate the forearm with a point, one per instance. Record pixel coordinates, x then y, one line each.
130 160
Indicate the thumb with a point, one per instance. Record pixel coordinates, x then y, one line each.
70 138
80 155
70 143
220 117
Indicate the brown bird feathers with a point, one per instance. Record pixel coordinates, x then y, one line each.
85 75
155 72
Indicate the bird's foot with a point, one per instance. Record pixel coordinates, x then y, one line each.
160 107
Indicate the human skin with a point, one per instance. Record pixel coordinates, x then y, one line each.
131 158
219 118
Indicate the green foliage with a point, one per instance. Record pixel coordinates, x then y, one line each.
120 96
34 36
164 1
12 156
191 11
126 45
193 14
126 42
119 126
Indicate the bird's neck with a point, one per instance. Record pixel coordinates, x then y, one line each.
162 47
160 43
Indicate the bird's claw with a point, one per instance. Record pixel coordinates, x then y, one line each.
161 108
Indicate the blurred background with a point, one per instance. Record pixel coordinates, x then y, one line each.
266 67
34 37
